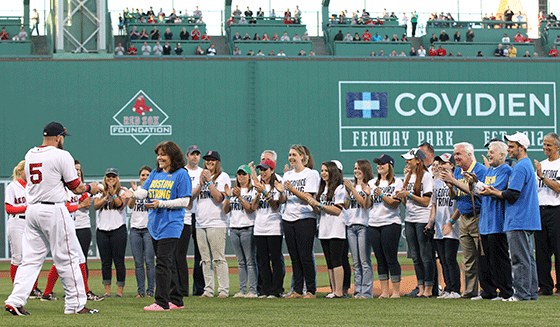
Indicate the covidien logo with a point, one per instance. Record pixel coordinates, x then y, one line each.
366 105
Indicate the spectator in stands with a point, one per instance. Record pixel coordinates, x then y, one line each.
512 51
339 36
385 38
433 52
143 35
253 21
168 35
15 37
404 38
35 22
508 16
154 34
443 37
161 18
251 53
381 53
527 40
499 52
505 39
479 54
414 22
237 37
134 35
296 38
236 52
376 37
184 35
441 51
132 51
121 25
275 37
271 53
470 35
413 52
301 53
365 14
265 37
248 12
557 39
297 15
395 38
272 15
506 51
260 13
434 38
166 49
306 37
195 33
152 20
236 12
288 20
246 37
146 49
457 37
366 36
360 21
119 50
421 51
520 19
402 54
200 21
231 20
243 21
378 22
404 21
199 51
158 49
285 37
211 51
357 37
197 13
553 52
281 53
150 12
459 54
205 37
256 37
348 37
535 54
518 37
372 54
22 34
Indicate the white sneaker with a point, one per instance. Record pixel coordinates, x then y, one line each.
330 296
497 298
511 299
453 295
240 294
443 295
251 296
288 294
476 298
262 297
271 297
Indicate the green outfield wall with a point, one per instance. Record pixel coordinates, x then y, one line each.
345 109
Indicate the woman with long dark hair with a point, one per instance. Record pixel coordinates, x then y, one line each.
169 189
416 195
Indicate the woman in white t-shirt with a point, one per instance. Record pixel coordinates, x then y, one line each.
329 202
241 224
444 209
141 240
299 221
111 230
416 195
211 224
356 227
384 225
268 230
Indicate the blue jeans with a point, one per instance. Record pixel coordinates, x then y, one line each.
523 264
244 246
361 257
143 252
420 248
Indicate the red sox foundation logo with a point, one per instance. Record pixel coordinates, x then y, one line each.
140 118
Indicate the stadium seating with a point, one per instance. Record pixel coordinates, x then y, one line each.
175 28
189 46
483 30
382 30
290 48
470 49
16 48
363 49
269 29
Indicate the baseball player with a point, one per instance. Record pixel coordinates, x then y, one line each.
15 207
48 169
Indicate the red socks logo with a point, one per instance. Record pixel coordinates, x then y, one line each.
140 106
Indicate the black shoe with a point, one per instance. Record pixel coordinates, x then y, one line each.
36 294
543 292
413 293
87 310
16 311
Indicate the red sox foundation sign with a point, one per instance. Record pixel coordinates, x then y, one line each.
140 118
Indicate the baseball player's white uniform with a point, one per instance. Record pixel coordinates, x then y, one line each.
49 225
15 198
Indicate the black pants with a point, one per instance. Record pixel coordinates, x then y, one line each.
181 260
270 263
346 267
167 283
384 241
447 252
494 268
547 243
112 247
414 29
300 235
84 237
333 250
198 276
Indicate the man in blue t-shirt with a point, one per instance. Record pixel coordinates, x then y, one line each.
522 218
463 154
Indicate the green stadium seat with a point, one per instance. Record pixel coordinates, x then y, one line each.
470 49
364 49
189 47
175 28
269 29
483 30
16 48
382 30
288 47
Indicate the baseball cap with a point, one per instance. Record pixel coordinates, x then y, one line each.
338 164
446 157
519 138
192 149
494 139
113 171
266 164
244 168
384 159
212 155
414 153
54 129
